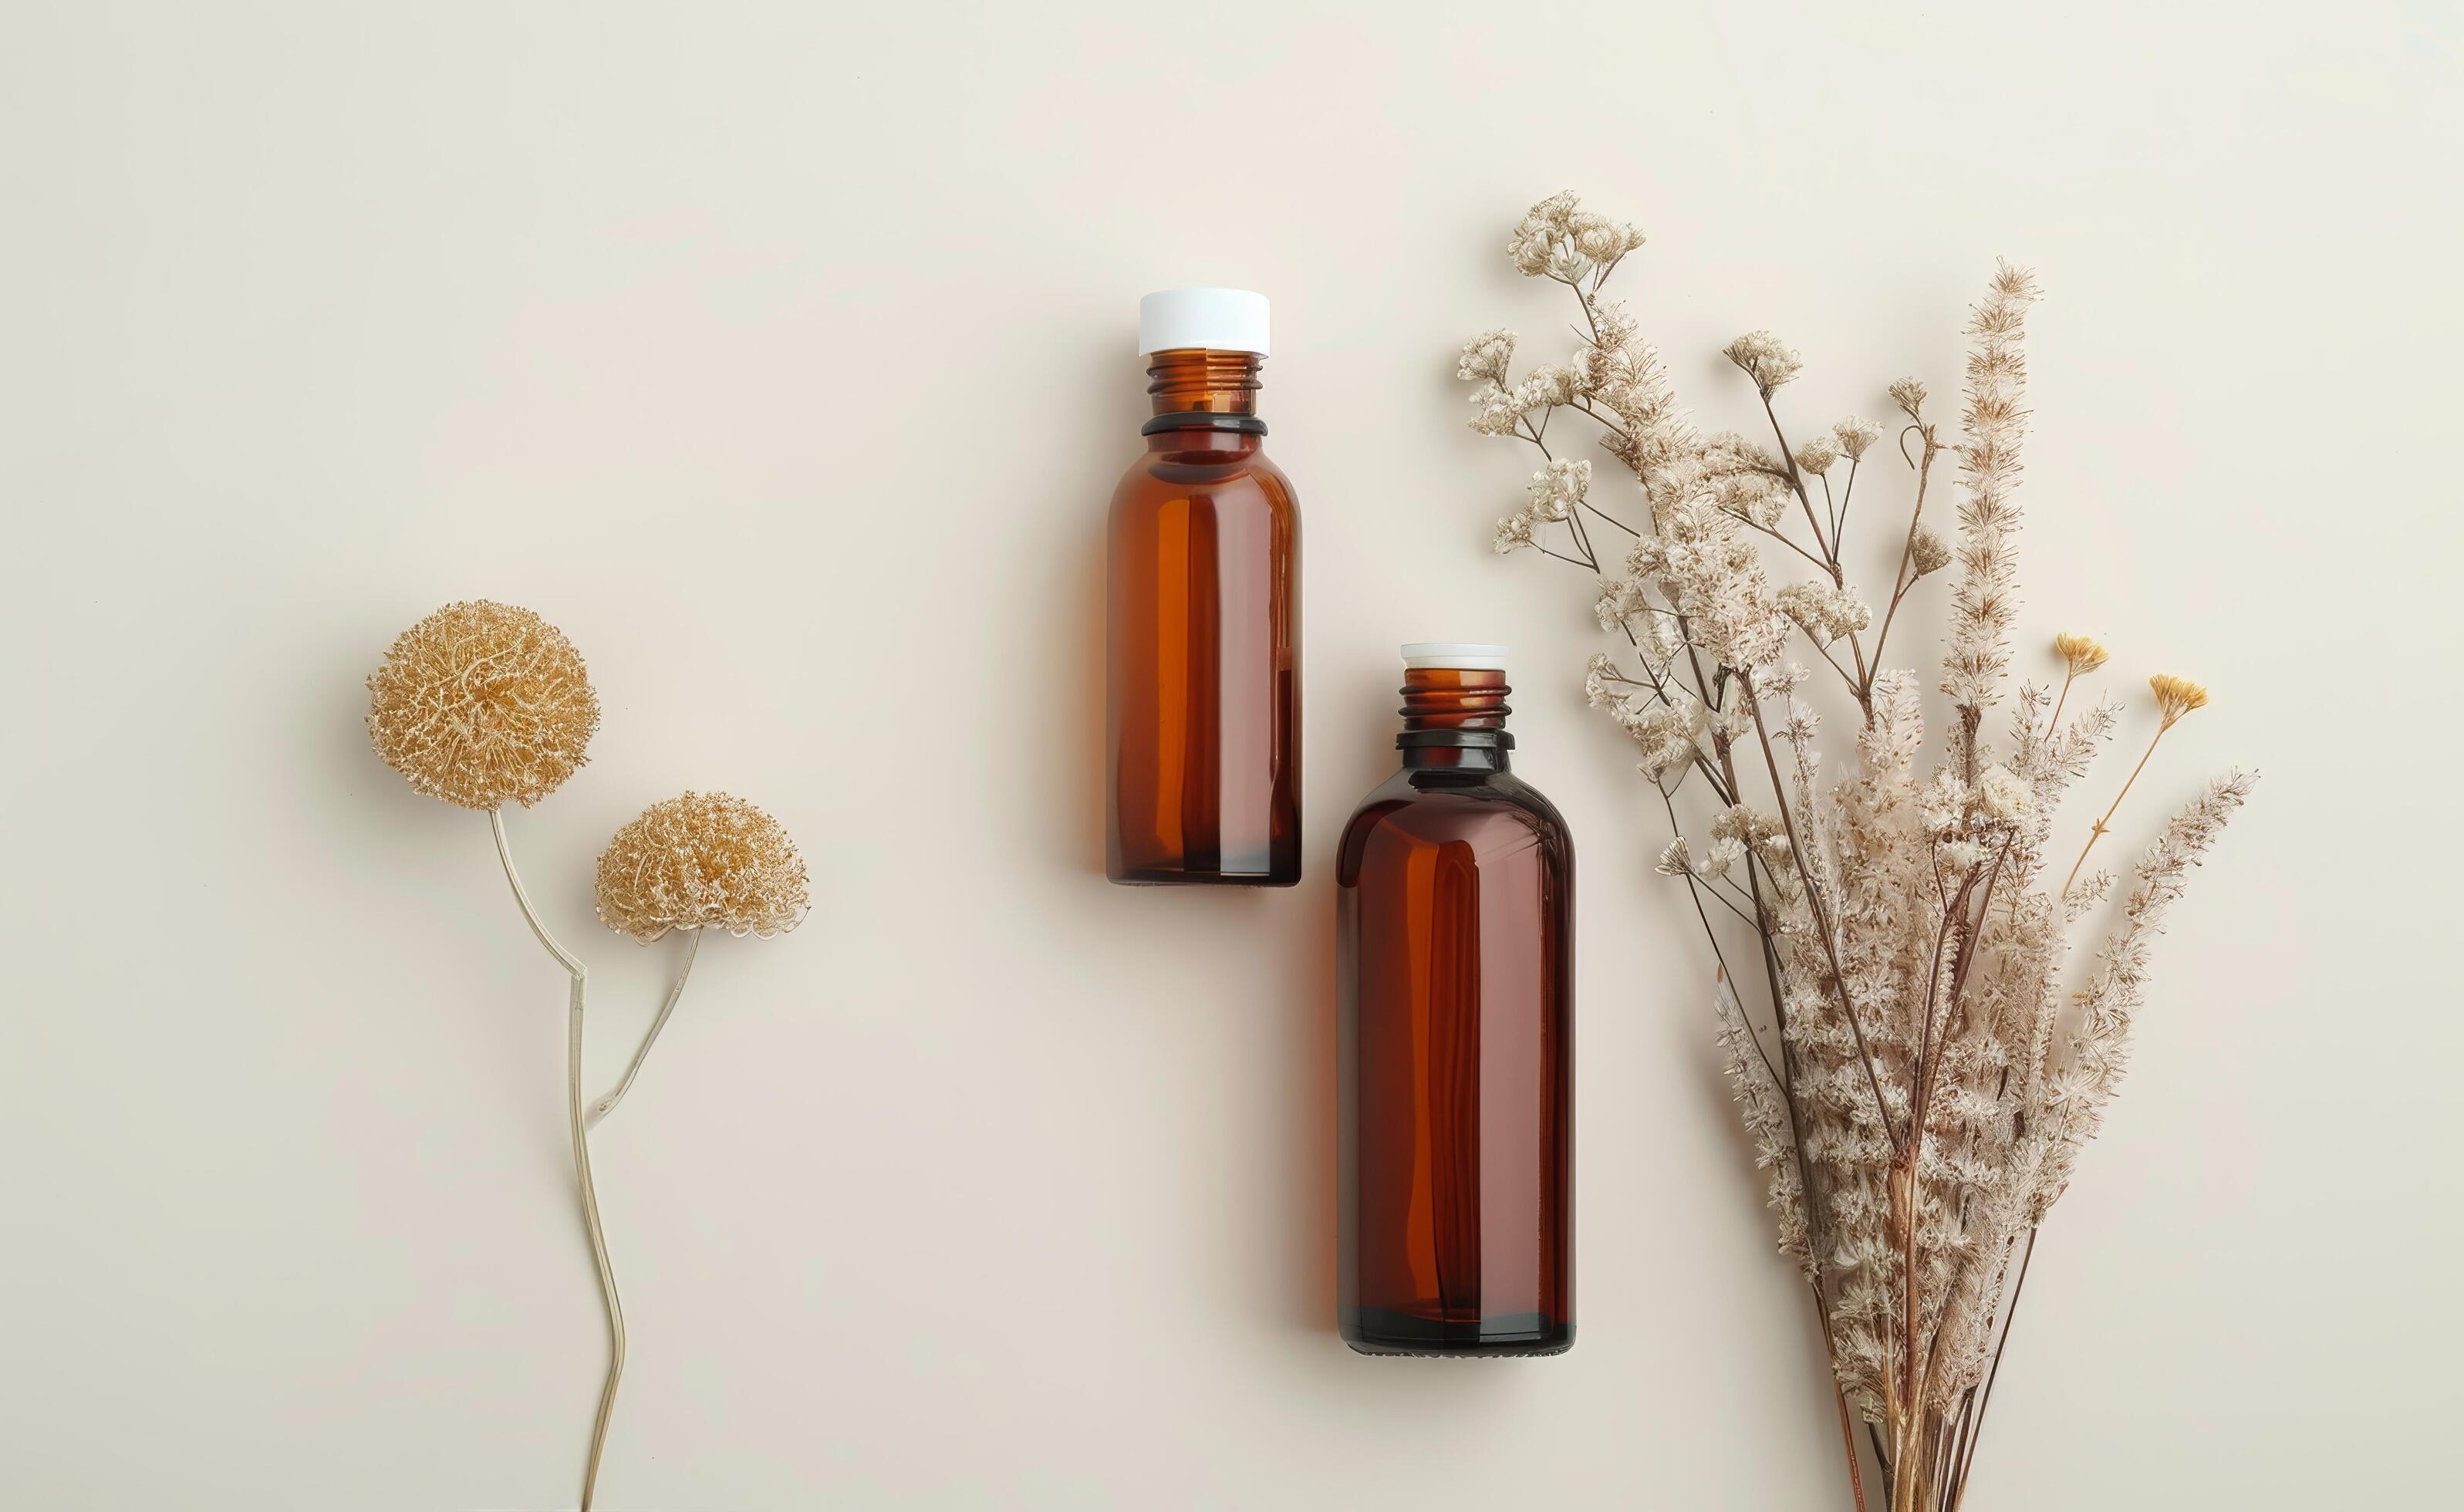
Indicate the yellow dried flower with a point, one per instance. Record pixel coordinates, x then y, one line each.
2080 653
696 862
2176 696
481 703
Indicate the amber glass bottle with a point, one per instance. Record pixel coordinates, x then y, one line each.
1203 738
1454 930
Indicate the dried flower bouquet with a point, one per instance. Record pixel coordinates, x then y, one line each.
1914 1075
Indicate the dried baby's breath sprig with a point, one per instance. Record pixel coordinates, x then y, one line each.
1918 1100
696 863
482 703
1766 359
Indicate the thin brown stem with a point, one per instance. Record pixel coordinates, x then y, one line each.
2103 824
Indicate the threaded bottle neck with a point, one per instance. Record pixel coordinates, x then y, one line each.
1202 388
1455 717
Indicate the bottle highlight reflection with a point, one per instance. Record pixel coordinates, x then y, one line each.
1203 741
1454 888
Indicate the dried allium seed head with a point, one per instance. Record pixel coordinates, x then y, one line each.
482 703
1818 454
2176 696
695 862
1910 394
2079 653
1928 551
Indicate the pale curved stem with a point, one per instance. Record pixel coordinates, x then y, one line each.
590 1224
607 1104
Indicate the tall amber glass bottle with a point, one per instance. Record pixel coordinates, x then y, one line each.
1455 929
1203 732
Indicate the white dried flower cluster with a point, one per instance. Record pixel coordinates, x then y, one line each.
1488 356
1855 437
1928 552
1823 612
1915 1079
1560 240
1555 490
1766 359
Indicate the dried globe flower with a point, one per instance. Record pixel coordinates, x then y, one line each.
481 704
696 862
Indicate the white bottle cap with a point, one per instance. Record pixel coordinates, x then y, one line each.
1461 656
1224 320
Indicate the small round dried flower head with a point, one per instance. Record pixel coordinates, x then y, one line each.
2079 653
1928 552
700 862
1818 454
2176 696
481 704
1538 245
1486 356
1854 437
1765 358
1910 394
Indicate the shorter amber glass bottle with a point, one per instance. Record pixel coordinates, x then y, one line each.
1202 742
1455 933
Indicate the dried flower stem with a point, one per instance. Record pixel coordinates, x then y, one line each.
607 1104
2103 825
591 1224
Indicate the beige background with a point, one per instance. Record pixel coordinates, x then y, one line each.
785 360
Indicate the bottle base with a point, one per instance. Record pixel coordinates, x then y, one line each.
1379 1331
1161 877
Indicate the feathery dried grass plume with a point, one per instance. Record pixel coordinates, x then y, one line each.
1917 1080
702 862
482 703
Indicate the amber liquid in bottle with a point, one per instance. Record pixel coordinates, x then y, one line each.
1454 888
1203 711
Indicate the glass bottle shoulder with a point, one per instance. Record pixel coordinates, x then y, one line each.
1493 812
1230 478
